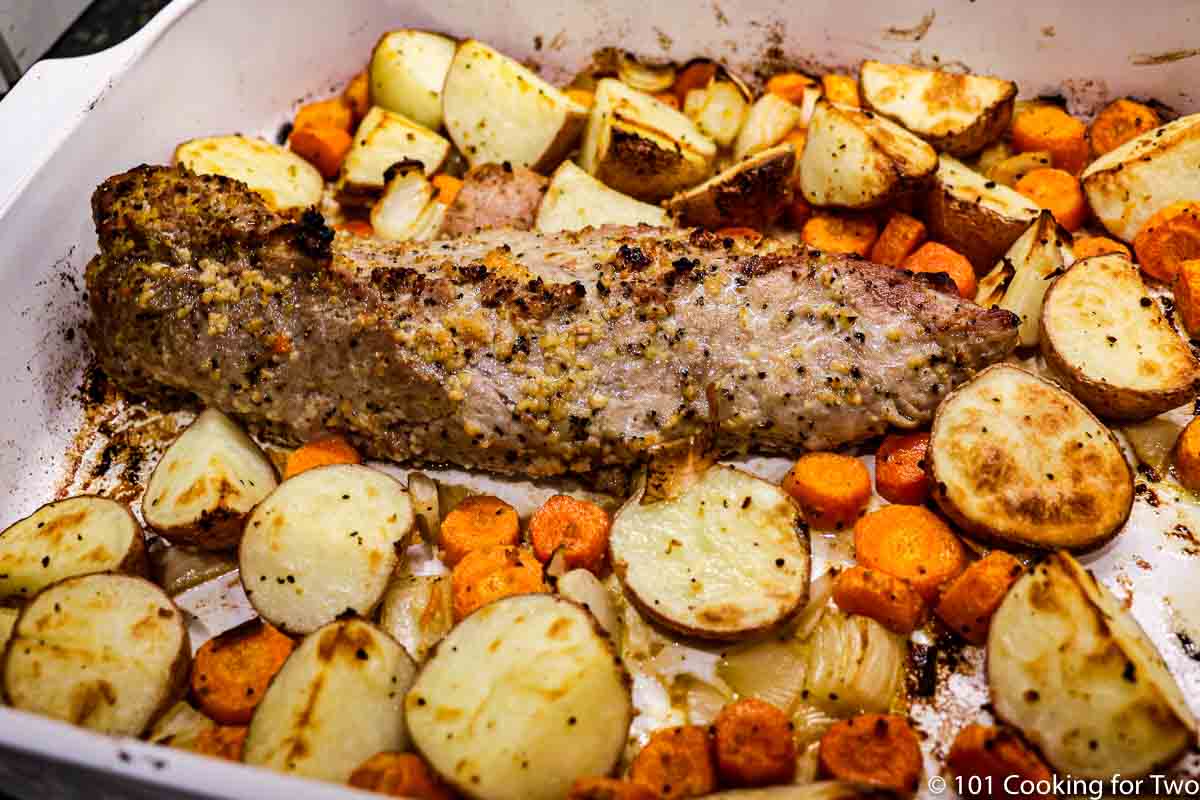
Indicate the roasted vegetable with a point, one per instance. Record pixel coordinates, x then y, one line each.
976 216
752 192
385 138
285 180
407 72
576 200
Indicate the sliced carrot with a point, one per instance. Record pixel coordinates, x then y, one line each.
221 741
1120 121
901 236
477 522
694 76
448 188
322 146
791 86
969 601
912 543
676 762
231 671
840 89
1088 246
1187 296
357 95
798 212
840 233
890 601
832 489
359 227
669 98
1169 238
877 750
1047 127
609 789
321 452
399 775
751 235
582 96
491 574
579 527
754 744
900 468
1187 455
934 257
997 756
332 113
1058 192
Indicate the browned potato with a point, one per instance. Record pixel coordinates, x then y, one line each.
751 193
976 216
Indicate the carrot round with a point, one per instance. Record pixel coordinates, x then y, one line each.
791 86
399 775
832 489
491 574
1187 296
477 522
901 236
321 452
448 188
231 671
840 233
900 468
1049 128
357 95
840 89
1187 455
694 76
933 257
676 762
754 744
1169 238
359 227
579 527
1120 121
911 543
1088 246
322 146
877 750
969 601
890 601
609 789
221 741
995 756
333 113
1058 192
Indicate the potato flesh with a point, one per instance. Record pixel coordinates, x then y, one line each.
1070 668
1018 283
969 186
719 111
750 193
722 560
519 700
337 701
284 179
106 652
385 138
769 120
397 214
76 536
407 72
212 471
416 612
576 200
324 543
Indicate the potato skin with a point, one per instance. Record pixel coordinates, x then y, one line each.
639 167
980 234
750 194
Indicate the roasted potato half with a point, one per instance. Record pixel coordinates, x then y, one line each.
416 611
284 179
408 69
977 217
337 701
957 114
750 193
1074 672
641 146
206 483
66 538
1016 459
322 544
1128 185
520 699
725 559
1107 340
856 159
576 200
385 138
497 110
107 652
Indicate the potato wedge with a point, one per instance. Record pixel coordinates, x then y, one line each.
769 120
206 483
1128 185
1108 342
107 652
76 536
284 179
576 200
416 612
346 515
407 71
750 193
1072 669
976 216
337 701
1016 459
641 146
497 110
855 159
385 138
1018 283
957 114
725 559
520 699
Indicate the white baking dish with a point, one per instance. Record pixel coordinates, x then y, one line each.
228 65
